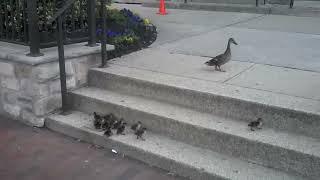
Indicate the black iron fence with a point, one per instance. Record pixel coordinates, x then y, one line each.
63 27
45 23
13 21
24 21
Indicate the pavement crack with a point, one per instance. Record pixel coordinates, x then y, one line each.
238 74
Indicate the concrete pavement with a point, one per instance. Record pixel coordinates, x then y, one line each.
275 53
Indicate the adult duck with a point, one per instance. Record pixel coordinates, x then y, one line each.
222 59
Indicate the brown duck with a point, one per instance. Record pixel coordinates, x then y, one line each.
222 59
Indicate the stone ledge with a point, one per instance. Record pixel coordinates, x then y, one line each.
18 53
30 86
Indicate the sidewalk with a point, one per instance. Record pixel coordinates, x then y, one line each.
301 8
37 154
277 54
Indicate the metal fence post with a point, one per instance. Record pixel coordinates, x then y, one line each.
92 22
63 79
103 37
33 28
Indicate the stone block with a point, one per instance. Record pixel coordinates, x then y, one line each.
7 69
10 83
46 72
46 105
12 110
93 60
9 96
30 118
81 72
69 68
23 71
71 82
25 102
34 88
55 86
51 71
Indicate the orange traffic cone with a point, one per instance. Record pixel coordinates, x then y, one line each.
162 8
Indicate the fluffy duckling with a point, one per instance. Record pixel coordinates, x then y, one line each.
140 133
257 124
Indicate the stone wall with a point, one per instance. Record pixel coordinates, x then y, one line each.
29 91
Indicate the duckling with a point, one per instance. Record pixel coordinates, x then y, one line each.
140 133
107 117
136 126
117 124
105 124
108 132
97 120
222 58
121 128
113 120
256 124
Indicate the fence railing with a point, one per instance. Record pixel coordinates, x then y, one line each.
13 24
61 17
44 23
27 22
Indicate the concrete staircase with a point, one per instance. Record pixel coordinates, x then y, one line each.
198 129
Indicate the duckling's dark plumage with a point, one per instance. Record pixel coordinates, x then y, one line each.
222 59
121 128
136 126
140 133
108 132
117 123
255 124
97 120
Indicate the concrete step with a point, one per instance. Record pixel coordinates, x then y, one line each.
288 152
280 112
177 157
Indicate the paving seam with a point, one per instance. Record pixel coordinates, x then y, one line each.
238 74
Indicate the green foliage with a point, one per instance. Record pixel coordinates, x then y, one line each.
114 15
126 30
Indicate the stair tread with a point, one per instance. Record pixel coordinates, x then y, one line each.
225 90
298 143
199 158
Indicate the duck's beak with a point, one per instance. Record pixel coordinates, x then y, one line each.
234 42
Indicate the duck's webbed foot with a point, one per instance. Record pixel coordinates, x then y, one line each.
221 69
